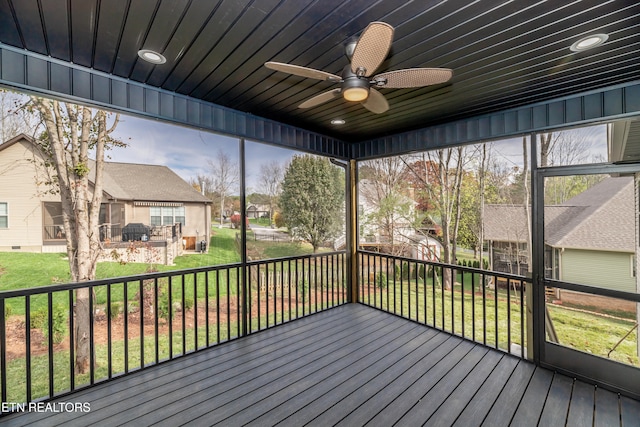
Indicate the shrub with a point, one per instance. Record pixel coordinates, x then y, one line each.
236 220
7 311
381 280
40 320
278 220
116 307
405 270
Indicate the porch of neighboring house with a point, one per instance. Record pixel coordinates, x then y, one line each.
350 365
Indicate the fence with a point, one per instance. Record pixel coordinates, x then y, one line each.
483 306
144 320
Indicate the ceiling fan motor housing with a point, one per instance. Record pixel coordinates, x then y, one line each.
354 88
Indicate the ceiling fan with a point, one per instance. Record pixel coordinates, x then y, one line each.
356 82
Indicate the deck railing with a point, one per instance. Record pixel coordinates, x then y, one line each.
483 306
143 320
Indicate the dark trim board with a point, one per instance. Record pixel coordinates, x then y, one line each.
46 76
352 365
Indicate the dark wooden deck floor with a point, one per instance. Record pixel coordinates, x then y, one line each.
349 366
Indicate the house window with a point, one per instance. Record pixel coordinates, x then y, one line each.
4 215
167 215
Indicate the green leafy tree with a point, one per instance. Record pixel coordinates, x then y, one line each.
312 199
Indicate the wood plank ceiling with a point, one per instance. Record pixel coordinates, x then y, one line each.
504 53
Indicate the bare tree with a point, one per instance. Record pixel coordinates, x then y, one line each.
13 121
384 190
271 176
224 176
71 132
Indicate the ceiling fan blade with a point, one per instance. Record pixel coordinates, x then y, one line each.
321 99
376 102
372 48
412 77
302 71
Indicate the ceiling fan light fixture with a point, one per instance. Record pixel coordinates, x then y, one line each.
589 42
355 94
151 56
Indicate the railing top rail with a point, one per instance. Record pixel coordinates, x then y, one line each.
508 276
100 282
145 276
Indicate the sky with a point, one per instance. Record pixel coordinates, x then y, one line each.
186 151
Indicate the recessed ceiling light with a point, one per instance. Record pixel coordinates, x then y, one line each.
589 42
337 122
151 56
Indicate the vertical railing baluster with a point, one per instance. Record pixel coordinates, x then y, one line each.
281 291
433 293
228 304
424 290
141 309
275 293
170 311
109 340
218 306
92 343
239 320
509 315
484 309
495 304
304 278
361 280
72 371
462 272
266 295
258 292
126 325
27 337
522 318
50 341
315 282
473 306
453 292
297 285
289 287
375 291
195 311
3 351
156 319
402 287
206 307
184 314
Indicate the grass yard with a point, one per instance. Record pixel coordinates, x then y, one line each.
586 331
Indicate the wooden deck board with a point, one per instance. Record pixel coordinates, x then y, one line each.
581 405
630 412
556 406
352 365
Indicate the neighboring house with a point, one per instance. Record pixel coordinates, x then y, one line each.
384 221
169 208
589 239
427 248
255 210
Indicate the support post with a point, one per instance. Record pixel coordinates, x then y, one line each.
535 295
352 230
246 287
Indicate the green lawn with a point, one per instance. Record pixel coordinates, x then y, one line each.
590 332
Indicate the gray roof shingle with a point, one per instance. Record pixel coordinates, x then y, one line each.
129 181
601 217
